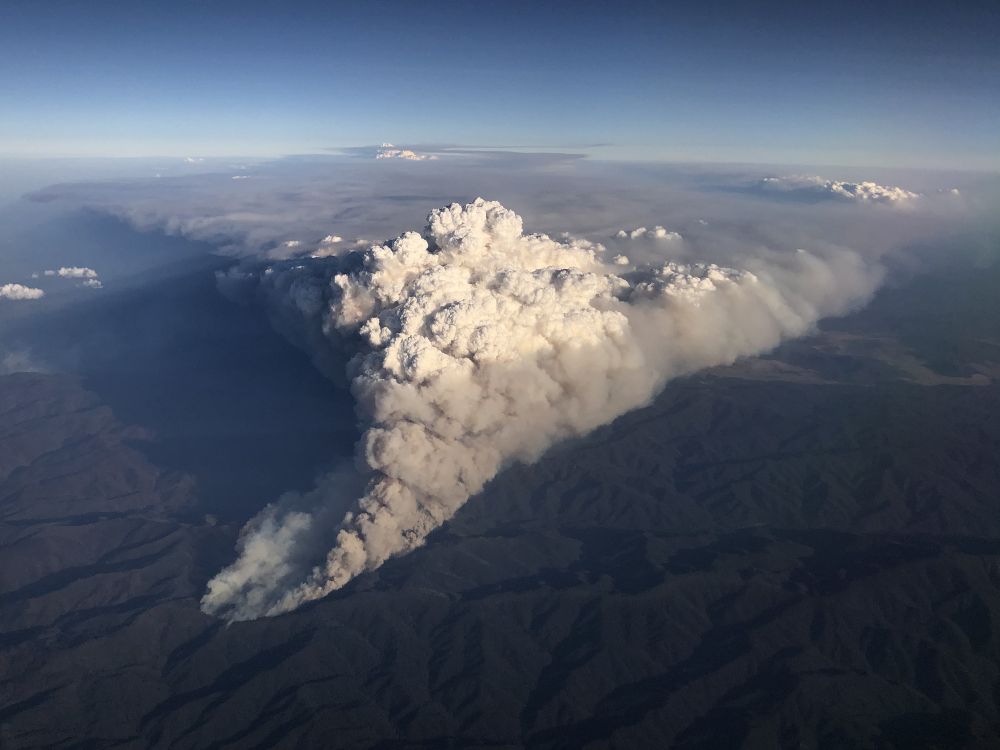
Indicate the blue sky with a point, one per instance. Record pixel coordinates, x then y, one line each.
903 84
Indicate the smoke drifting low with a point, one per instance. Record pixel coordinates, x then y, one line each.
478 346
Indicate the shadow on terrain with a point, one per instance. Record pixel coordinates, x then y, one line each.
227 399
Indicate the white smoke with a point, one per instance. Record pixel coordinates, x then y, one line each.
20 292
480 346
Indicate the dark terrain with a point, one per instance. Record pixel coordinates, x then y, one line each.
798 551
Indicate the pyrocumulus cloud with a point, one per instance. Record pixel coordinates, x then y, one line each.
478 346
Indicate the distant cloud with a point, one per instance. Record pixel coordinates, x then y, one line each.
328 246
193 160
240 177
74 272
18 360
819 187
20 292
388 151
308 200
656 233
87 277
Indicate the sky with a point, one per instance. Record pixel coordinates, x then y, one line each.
881 84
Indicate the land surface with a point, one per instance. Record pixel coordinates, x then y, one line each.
800 550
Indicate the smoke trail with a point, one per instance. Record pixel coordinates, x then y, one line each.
480 346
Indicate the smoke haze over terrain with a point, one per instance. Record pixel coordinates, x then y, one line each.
465 346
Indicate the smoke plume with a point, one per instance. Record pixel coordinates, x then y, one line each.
478 346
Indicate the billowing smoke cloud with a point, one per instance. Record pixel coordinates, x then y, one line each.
860 192
20 292
479 346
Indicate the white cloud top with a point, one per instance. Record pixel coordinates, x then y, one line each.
860 192
388 151
656 233
86 277
74 272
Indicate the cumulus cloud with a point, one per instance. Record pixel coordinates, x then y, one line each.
388 151
86 277
20 292
477 346
656 233
328 246
73 272
859 192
